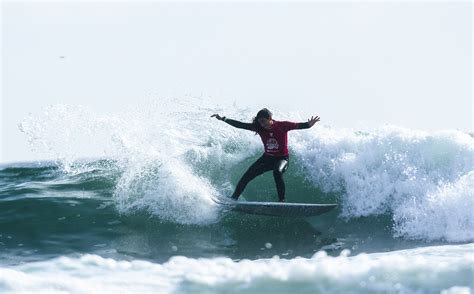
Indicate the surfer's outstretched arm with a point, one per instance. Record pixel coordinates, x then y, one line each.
302 125
309 123
234 123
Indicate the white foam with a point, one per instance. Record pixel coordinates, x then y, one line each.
446 213
397 171
167 189
430 269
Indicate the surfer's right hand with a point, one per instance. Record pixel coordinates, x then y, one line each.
217 116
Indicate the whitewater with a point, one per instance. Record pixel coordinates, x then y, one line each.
125 202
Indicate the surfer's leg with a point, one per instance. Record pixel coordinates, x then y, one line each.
279 168
260 166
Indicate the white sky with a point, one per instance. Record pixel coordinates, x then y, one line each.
408 64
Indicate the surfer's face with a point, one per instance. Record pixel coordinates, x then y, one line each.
265 122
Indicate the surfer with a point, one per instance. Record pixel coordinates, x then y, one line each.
274 135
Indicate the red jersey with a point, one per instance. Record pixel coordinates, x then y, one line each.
275 139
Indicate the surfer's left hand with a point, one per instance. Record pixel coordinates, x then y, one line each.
313 120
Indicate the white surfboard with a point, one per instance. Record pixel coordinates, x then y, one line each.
278 208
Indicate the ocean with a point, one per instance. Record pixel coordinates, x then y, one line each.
124 203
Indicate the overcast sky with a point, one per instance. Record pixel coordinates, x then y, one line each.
408 64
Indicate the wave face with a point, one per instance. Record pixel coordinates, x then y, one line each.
168 159
422 270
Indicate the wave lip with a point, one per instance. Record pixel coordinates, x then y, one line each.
431 269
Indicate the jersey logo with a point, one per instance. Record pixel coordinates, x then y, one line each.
271 134
272 144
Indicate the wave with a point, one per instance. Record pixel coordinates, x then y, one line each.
436 269
172 160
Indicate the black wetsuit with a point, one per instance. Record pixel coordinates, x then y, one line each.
278 161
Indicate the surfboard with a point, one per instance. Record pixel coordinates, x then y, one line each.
278 208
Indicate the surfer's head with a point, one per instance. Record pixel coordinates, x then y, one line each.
263 119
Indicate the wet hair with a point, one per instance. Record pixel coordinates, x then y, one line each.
263 113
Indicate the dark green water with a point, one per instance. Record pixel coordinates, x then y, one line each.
46 212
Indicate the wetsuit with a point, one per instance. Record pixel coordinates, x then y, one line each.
275 157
